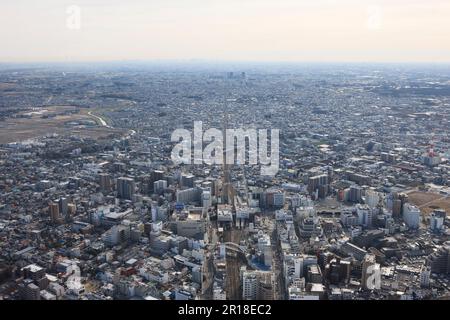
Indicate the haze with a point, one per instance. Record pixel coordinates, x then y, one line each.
244 30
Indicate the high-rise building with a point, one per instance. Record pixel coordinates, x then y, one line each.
411 216
431 160
189 195
365 217
439 261
425 277
315 182
105 182
396 208
257 285
63 206
206 199
249 286
314 274
54 212
372 198
388 157
119 166
33 272
355 194
398 202
187 180
29 291
125 188
159 186
437 219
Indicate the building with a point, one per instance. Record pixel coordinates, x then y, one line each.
206 199
355 194
125 188
411 216
257 285
63 206
159 186
105 182
431 160
191 228
191 195
55 215
187 180
388 157
372 198
116 235
353 250
33 272
314 183
439 261
437 219
314 274
365 217
425 277
29 291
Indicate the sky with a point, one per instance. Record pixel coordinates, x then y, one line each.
225 30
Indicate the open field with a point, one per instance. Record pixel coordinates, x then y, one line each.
428 201
60 120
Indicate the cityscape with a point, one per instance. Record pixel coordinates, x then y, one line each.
92 206
212 158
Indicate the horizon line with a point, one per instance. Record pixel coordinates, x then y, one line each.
221 61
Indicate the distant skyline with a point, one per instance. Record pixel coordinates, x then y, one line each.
225 30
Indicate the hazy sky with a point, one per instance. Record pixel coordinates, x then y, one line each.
256 30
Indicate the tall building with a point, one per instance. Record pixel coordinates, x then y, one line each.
159 186
396 208
314 274
365 217
398 202
314 183
388 157
105 182
257 285
425 277
206 199
355 194
54 212
63 206
437 219
125 188
431 160
189 195
33 272
372 198
353 250
439 261
187 180
411 216
249 286
29 291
